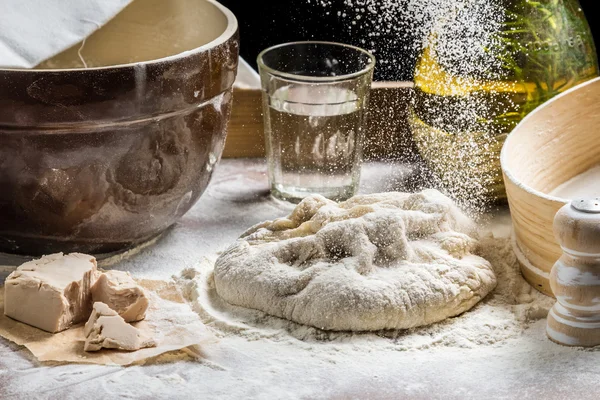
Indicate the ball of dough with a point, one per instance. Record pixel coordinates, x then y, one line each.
380 261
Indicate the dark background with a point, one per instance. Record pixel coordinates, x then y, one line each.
264 23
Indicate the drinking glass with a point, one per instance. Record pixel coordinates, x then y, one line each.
315 98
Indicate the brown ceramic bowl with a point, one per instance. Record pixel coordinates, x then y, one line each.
100 159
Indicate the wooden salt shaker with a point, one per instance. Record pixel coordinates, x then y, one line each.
575 277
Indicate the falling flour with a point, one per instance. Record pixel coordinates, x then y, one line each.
465 97
415 22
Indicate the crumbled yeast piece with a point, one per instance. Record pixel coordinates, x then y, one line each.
107 329
51 293
120 292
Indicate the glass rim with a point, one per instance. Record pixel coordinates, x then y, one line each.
322 79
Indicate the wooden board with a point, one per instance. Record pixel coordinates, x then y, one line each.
388 135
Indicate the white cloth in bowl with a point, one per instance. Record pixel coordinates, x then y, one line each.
32 31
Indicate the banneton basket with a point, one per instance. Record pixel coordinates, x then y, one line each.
106 145
556 142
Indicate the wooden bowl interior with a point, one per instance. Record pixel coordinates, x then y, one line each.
558 141
146 30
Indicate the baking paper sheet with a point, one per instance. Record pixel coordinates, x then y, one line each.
169 320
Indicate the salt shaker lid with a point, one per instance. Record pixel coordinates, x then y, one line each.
591 206
577 225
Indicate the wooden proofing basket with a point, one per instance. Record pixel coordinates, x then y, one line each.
556 142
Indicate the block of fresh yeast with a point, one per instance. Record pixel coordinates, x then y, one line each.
51 293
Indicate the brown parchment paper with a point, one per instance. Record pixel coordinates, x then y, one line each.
169 320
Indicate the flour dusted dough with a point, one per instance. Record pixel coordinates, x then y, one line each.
380 261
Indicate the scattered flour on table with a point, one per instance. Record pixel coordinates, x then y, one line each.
502 315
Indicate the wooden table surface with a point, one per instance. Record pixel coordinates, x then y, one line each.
237 367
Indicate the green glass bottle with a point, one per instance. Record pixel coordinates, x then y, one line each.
485 65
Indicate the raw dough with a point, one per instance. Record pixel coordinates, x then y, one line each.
106 329
381 261
120 292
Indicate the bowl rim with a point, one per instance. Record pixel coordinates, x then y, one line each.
503 153
230 30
